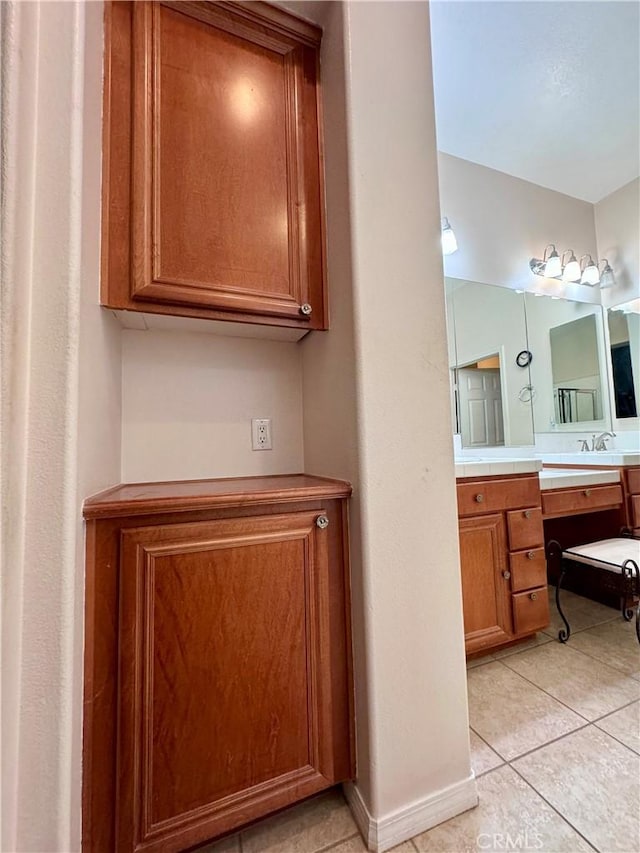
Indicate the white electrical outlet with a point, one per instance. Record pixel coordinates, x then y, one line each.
261 433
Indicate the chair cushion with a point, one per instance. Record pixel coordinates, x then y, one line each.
607 554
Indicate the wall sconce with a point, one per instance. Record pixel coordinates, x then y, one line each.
550 266
449 242
571 270
590 271
607 278
587 271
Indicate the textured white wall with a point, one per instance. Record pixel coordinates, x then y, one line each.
61 406
501 222
188 399
370 389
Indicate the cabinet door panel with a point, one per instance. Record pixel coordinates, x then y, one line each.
222 674
485 591
221 198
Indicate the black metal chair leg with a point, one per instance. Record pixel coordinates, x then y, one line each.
630 571
554 550
563 635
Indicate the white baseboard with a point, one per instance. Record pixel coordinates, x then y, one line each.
394 828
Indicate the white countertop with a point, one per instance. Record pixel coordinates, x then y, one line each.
563 478
477 466
601 457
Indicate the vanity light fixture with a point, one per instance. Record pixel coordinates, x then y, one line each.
607 278
586 271
571 270
590 271
449 242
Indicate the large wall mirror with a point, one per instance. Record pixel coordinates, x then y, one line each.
624 343
491 395
568 367
524 364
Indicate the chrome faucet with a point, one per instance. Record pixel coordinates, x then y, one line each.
584 445
600 443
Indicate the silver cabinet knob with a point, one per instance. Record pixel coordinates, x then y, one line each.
322 522
533 596
306 309
531 555
527 513
506 575
479 499
587 493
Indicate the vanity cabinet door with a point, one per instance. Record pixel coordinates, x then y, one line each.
232 688
486 591
223 209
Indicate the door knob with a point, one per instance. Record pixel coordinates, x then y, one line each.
530 555
479 498
587 493
533 596
306 309
322 522
506 575
527 513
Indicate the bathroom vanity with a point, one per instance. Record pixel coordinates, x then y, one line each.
502 557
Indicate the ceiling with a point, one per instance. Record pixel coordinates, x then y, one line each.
545 91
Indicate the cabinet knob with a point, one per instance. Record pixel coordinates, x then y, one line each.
506 575
322 522
479 499
306 309
527 513
587 493
531 555
533 596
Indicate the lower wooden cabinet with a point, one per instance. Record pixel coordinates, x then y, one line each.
221 632
502 560
485 590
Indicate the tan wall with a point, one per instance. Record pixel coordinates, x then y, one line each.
617 220
501 222
188 399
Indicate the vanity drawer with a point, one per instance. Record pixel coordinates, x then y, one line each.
528 569
525 528
635 510
494 495
575 501
633 479
530 610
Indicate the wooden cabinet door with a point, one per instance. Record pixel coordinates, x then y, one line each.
485 591
226 709
226 174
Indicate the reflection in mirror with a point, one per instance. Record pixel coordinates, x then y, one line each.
486 331
624 338
575 370
567 371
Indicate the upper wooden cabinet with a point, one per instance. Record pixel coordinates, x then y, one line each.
212 178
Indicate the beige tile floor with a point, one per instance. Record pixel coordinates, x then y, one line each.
555 746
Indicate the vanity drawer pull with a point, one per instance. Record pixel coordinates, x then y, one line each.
479 498
527 513
587 493
506 575
533 596
531 555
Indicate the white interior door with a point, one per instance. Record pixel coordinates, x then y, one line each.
480 395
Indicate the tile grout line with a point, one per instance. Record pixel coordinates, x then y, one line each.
334 844
553 808
546 692
616 671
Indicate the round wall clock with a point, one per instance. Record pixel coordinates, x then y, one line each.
523 359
